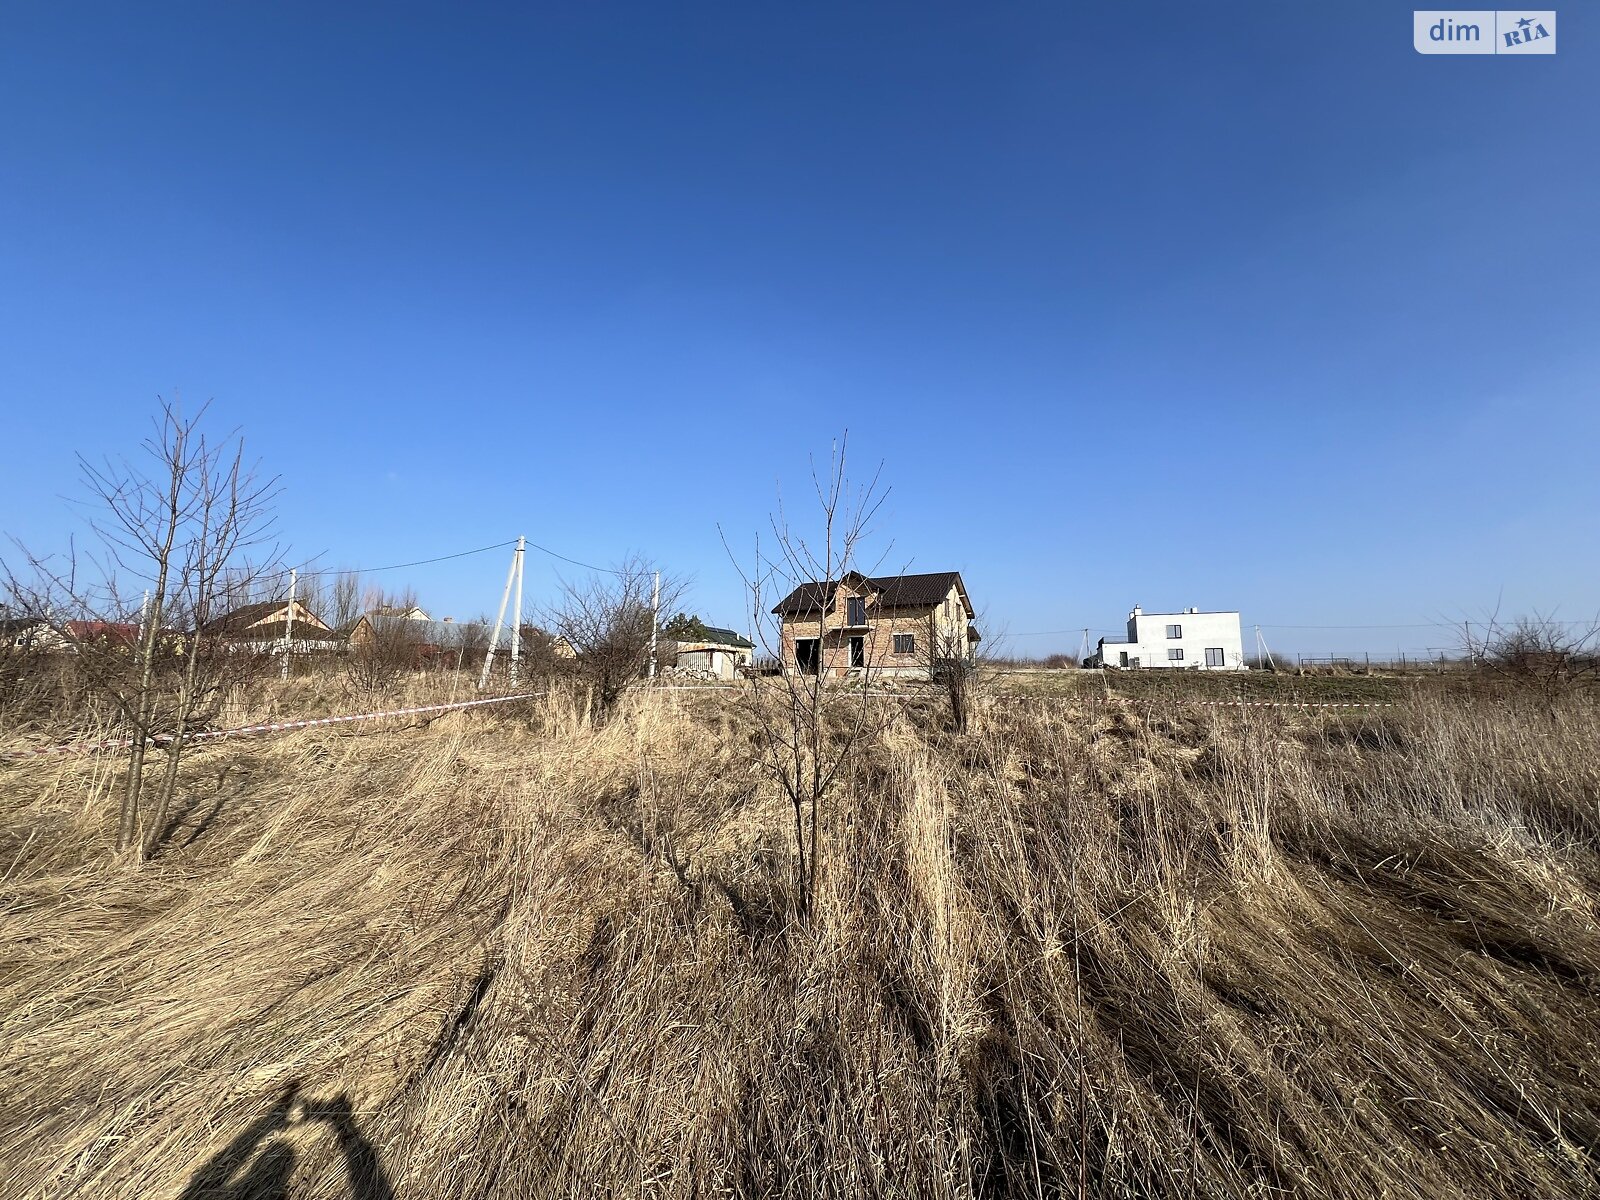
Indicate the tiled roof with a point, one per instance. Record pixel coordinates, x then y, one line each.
894 591
113 631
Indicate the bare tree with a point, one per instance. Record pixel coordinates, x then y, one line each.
228 506
183 522
1538 653
955 661
389 645
344 599
607 619
471 641
811 717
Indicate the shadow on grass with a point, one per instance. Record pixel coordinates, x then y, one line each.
247 1169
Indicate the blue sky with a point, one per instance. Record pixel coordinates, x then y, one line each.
1249 307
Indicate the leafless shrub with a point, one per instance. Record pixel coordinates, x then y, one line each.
1539 654
957 664
384 646
344 600
545 656
470 640
607 618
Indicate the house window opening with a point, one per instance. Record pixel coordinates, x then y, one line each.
806 655
905 643
1174 631
1175 654
1215 657
858 652
856 610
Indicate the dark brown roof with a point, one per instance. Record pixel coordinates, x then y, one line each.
894 591
240 620
242 617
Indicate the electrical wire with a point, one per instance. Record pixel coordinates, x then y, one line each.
575 562
421 562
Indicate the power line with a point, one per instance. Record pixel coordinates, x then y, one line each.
1414 625
1429 624
1059 632
460 554
421 562
573 561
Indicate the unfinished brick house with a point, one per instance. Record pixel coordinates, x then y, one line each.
890 625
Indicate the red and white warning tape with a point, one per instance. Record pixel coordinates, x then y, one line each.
423 710
270 727
713 687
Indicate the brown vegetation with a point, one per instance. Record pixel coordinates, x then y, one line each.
1121 950
608 619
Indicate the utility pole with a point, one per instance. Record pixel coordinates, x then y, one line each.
288 624
500 619
516 617
1264 651
655 622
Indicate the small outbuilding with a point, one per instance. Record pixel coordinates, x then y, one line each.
719 652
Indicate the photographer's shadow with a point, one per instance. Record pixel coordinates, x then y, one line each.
246 1170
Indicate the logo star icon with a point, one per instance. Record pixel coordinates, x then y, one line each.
1525 22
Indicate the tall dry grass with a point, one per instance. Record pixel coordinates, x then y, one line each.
1126 951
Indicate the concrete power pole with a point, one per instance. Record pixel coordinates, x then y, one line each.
516 617
500 619
288 624
655 623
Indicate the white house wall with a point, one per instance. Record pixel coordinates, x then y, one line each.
1201 631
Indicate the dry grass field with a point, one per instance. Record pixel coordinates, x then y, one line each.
1126 949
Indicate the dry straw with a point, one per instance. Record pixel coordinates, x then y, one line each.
1096 951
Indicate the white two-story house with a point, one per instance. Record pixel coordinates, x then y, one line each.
1204 641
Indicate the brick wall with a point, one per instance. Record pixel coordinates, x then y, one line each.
879 636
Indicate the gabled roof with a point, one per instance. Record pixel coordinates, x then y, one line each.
247 615
715 636
893 591
243 616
